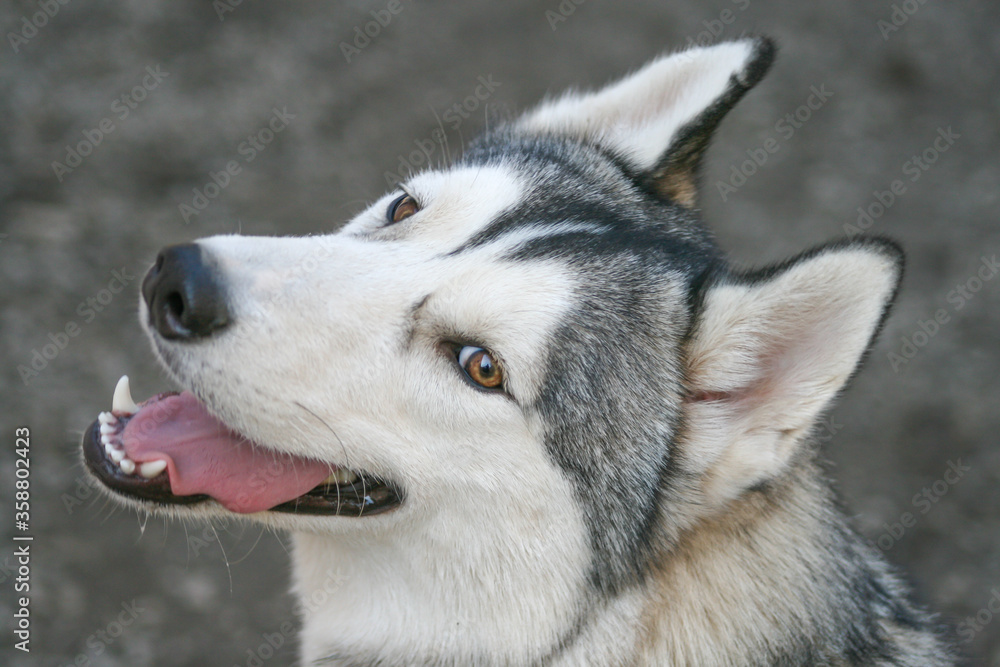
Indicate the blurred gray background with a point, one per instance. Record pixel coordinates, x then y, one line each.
198 78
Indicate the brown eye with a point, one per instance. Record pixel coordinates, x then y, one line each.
401 209
480 367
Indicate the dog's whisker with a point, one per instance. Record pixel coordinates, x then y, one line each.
252 547
187 542
347 459
225 557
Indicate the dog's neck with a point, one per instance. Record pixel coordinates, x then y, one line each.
436 592
776 578
716 596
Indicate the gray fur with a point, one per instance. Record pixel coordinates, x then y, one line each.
613 403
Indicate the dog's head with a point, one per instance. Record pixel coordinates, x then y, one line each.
524 361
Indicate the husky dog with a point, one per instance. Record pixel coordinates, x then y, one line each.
521 411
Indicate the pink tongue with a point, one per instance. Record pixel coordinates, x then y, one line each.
205 457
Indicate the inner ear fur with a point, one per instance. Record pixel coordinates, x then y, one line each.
771 349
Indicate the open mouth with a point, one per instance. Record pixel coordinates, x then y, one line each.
169 450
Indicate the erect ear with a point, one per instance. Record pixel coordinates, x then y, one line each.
660 119
771 349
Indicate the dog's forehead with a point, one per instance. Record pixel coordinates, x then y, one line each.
518 197
578 200
458 202
521 196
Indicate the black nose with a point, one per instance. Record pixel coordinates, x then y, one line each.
185 298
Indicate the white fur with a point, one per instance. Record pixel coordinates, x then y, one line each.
640 114
459 201
486 510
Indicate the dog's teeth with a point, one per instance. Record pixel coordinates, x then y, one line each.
106 418
117 455
151 469
105 439
122 401
107 429
341 476
127 466
109 449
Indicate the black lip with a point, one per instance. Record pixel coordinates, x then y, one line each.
156 489
365 497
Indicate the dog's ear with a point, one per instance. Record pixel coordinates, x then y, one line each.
660 119
769 351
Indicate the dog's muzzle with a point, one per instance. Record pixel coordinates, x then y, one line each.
172 450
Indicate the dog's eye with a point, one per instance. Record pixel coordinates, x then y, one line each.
401 208
480 367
